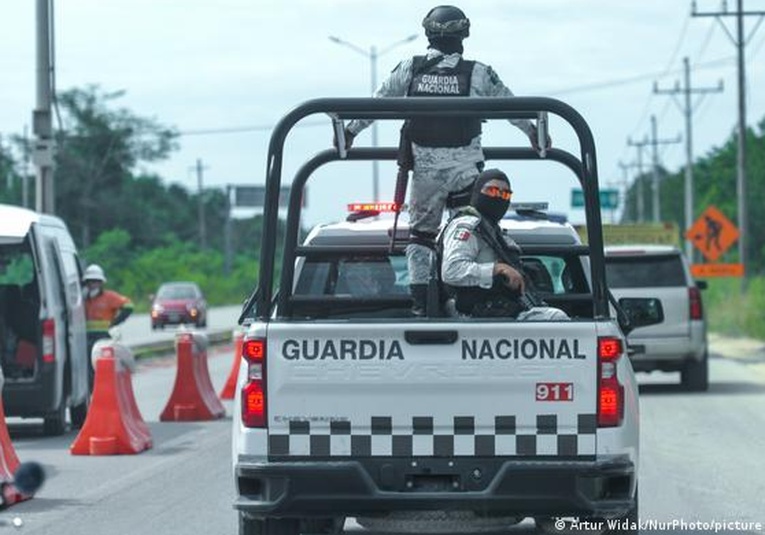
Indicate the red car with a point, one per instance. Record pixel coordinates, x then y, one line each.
178 303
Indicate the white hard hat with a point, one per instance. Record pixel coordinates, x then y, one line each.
94 273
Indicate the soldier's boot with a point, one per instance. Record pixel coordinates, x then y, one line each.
419 294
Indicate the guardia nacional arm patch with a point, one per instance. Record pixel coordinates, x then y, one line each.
462 235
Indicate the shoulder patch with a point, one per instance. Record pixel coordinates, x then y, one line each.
462 234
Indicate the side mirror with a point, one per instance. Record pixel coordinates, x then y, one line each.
642 311
702 285
151 297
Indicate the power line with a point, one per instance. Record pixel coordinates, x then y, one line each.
706 41
687 109
679 43
637 78
243 129
740 41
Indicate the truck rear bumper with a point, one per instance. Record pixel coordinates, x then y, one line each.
602 488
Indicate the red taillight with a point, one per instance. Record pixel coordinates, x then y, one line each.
610 391
254 391
254 350
49 340
696 309
609 348
254 405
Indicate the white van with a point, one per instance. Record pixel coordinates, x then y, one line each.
43 349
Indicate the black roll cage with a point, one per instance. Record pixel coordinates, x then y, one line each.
584 167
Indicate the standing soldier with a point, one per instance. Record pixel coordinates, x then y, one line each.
103 309
447 154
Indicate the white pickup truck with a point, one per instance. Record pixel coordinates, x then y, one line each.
350 407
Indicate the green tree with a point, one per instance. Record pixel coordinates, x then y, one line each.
10 192
98 149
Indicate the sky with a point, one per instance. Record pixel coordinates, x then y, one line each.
224 72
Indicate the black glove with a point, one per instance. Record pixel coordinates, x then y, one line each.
121 316
348 139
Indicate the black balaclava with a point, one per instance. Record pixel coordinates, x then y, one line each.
492 208
447 45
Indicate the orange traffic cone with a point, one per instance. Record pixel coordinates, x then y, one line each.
9 461
229 389
193 397
114 425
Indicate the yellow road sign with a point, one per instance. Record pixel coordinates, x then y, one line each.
712 233
703 271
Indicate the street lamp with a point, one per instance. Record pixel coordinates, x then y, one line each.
373 54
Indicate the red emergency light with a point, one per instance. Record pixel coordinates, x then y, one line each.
372 207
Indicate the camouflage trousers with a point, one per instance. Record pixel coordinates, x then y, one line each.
430 187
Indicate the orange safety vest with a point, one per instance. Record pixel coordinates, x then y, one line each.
101 310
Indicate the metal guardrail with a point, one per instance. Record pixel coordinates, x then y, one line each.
161 347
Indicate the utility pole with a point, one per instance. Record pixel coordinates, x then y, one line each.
42 124
373 54
639 179
687 110
625 167
201 204
655 142
25 171
740 42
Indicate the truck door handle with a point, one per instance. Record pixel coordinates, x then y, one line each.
422 338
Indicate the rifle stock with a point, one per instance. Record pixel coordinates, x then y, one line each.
405 162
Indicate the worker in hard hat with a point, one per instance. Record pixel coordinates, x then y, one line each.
103 308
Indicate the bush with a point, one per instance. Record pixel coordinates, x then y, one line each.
137 274
733 312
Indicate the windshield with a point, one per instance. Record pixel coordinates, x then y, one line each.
645 271
177 292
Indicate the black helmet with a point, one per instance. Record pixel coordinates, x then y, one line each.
446 21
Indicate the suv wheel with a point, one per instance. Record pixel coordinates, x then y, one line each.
695 375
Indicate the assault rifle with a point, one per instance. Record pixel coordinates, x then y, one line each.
529 298
405 163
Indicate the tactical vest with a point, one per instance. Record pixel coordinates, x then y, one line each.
497 301
429 80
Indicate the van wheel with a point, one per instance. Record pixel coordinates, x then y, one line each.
268 526
54 424
78 413
695 375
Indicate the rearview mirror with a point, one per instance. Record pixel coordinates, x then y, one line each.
642 311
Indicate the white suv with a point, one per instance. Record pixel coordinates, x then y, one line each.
679 342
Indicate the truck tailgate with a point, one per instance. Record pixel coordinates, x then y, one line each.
340 389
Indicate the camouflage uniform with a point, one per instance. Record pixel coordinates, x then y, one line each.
439 171
469 261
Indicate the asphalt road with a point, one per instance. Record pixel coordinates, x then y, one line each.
701 460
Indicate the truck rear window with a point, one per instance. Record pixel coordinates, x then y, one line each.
645 271
355 277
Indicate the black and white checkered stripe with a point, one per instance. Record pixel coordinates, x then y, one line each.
423 437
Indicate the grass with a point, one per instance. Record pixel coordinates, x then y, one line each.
732 311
